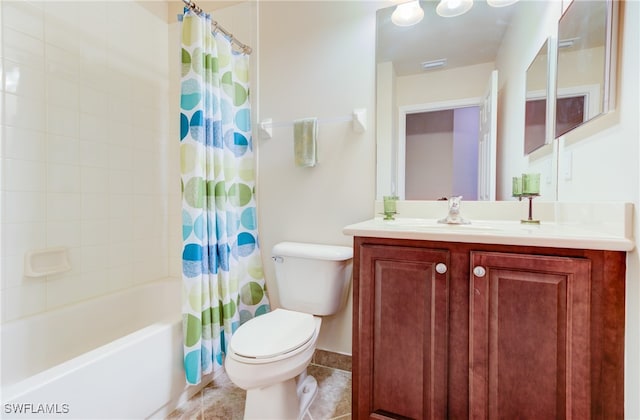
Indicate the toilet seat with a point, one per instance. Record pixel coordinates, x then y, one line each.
274 336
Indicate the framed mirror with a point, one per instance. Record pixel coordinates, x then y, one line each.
439 70
585 62
536 105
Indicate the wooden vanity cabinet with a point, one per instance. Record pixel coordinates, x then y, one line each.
457 330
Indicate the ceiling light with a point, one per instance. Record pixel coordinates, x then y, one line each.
407 14
501 3
451 8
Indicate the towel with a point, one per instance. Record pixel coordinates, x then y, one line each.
305 149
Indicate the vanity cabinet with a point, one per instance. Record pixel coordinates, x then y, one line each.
462 330
403 327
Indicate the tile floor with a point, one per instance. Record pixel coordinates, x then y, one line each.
223 400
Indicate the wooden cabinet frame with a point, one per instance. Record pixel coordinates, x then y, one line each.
598 390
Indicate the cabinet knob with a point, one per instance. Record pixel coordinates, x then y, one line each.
441 268
479 271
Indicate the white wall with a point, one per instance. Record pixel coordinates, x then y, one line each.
84 147
316 59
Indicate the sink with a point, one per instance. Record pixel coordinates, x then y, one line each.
432 224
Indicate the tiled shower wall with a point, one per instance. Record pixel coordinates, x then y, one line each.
88 157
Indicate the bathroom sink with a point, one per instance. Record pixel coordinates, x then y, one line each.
432 224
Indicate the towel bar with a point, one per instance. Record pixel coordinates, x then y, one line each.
358 119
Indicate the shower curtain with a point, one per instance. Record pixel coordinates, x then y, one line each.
223 283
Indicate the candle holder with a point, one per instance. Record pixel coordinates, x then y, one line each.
530 220
390 207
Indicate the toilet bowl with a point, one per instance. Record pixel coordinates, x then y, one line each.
274 372
268 355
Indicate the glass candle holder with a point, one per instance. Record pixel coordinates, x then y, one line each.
389 202
531 184
516 188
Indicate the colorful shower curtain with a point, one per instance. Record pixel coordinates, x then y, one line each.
223 283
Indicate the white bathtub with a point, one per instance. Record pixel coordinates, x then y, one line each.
114 357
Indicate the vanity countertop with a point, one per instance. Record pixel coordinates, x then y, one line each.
547 234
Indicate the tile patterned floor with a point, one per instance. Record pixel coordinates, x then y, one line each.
223 400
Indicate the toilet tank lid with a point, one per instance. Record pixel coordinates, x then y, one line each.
313 251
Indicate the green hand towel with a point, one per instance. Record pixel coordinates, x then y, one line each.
304 142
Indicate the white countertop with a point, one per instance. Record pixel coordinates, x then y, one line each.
546 234
581 235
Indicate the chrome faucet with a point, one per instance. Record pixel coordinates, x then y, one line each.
454 218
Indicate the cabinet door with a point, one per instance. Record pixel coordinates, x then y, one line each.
529 337
400 334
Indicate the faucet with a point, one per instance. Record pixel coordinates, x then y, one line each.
454 218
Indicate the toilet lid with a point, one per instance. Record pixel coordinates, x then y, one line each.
273 334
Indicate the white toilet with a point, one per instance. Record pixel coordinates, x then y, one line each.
268 355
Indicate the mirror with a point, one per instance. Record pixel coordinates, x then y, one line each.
535 121
584 64
439 67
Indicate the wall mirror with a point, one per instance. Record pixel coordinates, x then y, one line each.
440 69
585 63
535 125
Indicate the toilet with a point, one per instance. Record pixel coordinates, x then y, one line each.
268 355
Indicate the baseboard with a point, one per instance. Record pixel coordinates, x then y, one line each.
332 360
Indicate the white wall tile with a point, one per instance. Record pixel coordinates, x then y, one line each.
120 277
63 92
62 62
62 290
93 127
24 144
120 157
23 175
94 232
120 182
120 254
25 112
94 154
63 234
119 106
121 234
62 121
23 49
17 238
95 206
84 127
63 207
63 178
24 17
93 101
95 258
68 289
23 80
23 206
63 150
118 132
94 180
12 269
27 299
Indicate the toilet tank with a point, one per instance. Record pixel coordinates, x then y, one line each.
312 278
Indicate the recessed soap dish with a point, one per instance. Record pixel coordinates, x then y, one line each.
44 262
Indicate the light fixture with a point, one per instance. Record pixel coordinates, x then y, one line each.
451 8
407 14
501 3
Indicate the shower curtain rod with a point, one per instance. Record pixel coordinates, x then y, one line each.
217 27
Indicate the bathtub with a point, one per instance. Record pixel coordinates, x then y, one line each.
113 357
